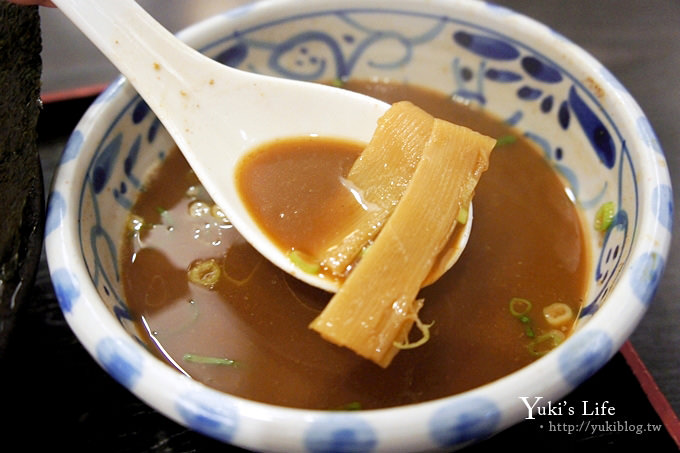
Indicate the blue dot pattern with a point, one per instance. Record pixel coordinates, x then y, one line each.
203 413
646 275
340 433
662 203
119 360
587 352
66 289
72 149
56 210
467 420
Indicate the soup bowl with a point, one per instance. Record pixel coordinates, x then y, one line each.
589 129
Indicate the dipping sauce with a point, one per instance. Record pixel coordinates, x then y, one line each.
243 328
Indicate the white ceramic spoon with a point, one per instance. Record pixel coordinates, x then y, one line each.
216 114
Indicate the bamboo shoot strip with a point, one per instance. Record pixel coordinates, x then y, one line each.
376 306
381 174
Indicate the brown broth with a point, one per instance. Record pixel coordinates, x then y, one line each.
287 186
527 241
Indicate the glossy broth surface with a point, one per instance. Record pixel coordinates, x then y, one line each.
527 241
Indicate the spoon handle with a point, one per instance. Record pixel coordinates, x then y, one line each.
135 43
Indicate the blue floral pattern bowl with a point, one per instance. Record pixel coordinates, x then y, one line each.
589 128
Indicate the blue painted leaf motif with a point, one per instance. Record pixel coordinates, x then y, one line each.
122 313
563 115
140 111
130 161
153 130
104 163
485 46
233 56
515 118
595 130
131 158
546 104
502 76
541 71
529 94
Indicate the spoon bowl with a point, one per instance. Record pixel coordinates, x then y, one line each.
216 114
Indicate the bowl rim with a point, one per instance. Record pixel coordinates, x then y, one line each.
263 416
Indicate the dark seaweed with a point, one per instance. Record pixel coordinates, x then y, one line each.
21 184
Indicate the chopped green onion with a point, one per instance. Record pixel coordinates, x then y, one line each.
424 329
605 216
166 218
462 216
529 331
338 82
546 343
519 307
194 358
558 313
505 140
297 259
353 406
204 272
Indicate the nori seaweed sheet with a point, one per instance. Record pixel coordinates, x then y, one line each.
21 185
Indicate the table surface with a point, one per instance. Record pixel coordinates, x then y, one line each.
638 41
